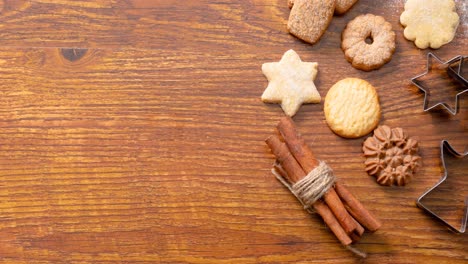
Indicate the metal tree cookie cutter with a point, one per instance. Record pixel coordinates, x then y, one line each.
454 72
445 146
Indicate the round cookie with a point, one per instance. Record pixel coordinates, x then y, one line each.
361 30
352 108
391 156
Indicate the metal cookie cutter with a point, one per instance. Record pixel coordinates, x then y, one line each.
457 74
445 146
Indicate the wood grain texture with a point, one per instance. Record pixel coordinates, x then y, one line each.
148 146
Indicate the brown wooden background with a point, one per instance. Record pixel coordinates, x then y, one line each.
149 148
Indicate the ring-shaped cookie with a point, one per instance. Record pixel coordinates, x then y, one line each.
368 42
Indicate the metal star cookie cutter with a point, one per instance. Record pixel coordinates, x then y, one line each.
457 74
445 145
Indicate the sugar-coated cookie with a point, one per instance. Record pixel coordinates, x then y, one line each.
375 30
342 6
352 108
309 19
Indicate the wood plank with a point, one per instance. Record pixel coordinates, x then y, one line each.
146 146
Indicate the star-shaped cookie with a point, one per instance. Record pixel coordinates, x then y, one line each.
291 82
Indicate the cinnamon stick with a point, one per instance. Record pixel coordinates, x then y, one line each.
304 155
294 173
356 209
356 235
280 150
329 218
280 171
301 151
337 207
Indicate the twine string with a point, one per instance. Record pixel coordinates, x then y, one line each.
312 187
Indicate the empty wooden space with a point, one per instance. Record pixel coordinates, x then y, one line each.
132 131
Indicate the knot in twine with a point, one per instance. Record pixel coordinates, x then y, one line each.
313 186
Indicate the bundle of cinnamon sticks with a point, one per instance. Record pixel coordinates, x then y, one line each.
341 211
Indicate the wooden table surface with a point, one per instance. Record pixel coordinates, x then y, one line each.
132 131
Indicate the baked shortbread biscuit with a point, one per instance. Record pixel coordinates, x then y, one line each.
429 23
352 108
291 82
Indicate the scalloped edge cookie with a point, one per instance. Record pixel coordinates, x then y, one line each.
430 23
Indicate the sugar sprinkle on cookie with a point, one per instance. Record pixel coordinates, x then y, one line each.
342 6
309 19
361 30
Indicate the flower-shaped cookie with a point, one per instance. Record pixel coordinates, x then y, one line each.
392 157
429 23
